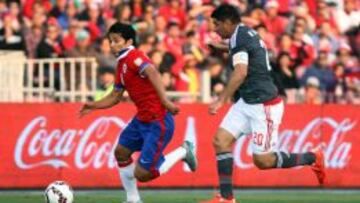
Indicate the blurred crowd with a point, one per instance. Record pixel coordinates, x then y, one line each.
314 45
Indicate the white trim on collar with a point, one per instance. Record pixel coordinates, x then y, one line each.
234 35
123 55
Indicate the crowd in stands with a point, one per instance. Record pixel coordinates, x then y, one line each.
313 45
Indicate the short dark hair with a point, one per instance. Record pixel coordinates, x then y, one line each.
226 12
172 24
125 30
104 70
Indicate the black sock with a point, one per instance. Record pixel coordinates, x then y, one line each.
285 160
225 170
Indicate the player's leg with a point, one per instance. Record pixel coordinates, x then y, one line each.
152 162
265 124
185 152
222 143
126 171
233 125
129 141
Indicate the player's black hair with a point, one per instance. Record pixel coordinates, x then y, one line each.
261 25
125 30
104 70
226 12
172 24
191 33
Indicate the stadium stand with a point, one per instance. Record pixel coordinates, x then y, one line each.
314 47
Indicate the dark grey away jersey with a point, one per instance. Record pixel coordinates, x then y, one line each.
258 85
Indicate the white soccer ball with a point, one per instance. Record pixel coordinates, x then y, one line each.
59 192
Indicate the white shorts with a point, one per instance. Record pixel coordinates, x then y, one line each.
261 121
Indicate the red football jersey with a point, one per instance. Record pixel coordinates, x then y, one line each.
129 75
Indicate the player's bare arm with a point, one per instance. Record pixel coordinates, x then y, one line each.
155 79
222 46
236 79
110 100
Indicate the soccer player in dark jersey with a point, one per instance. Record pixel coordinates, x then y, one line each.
257 108
152 128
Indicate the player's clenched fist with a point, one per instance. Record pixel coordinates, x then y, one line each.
171 107
215 106
85 109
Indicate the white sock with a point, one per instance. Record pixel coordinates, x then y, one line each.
129 182
171 159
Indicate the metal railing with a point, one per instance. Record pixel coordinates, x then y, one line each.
61 79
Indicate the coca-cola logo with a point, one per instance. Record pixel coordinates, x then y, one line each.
93 148
53 148
320 131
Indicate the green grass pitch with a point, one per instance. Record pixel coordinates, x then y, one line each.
192 196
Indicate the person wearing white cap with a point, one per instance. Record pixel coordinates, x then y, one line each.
83 46
344 57
273 22
313 82
312 91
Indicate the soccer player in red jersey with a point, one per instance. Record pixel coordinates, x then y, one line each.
152 128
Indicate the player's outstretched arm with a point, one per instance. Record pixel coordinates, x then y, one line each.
155 79
237 77
222 46
107 102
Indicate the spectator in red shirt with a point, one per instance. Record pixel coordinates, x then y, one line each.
273 22
323 13
173 41
302 49
137 8
284 7
173 12
69 38
35 6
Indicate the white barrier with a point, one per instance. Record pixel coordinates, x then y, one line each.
62 79
11 76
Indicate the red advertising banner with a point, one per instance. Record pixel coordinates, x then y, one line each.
40 143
